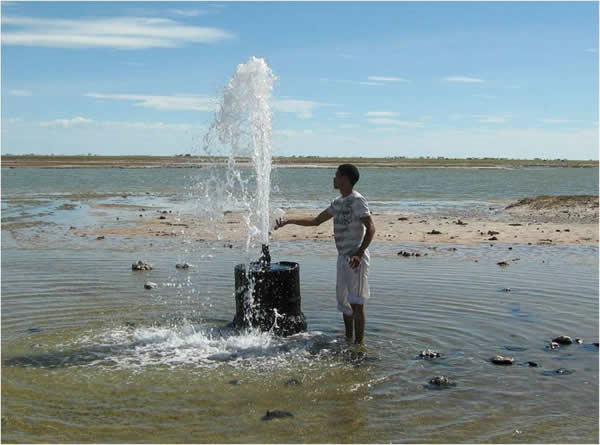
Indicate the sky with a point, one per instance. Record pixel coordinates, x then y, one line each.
470 79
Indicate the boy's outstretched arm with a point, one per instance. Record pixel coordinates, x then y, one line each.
306 221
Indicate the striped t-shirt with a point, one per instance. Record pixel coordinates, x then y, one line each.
347 226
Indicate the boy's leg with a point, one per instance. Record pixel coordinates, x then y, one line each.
358 314
348 324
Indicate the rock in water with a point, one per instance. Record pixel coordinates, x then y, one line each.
150 285
182 266
141 265
501 360
532 364
428 353
441 380
553 345
579 341
276 414
563 340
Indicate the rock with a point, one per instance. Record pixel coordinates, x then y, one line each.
502 263
72 227
559 371
276 414
493 232
507 289
460 223
501 360
182 266
553 345
579 341
150 285
34 330
292 381
161 217
596 344
235 382
428 353
493 238
100 238
441 380
532 364
434 232
403 218
515 224
563 340
141 265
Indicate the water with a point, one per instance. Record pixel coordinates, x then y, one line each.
243 124
418 190
88 355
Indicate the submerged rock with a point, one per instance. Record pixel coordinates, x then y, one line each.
276 414
182 266
141 265
563 340
428 353
559 371
150 285
501 360
532 364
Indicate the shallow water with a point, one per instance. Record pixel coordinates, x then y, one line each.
88 355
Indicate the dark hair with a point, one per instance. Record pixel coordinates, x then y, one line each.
350 171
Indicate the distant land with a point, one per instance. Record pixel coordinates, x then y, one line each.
188 161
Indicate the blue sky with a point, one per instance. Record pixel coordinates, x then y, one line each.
517 80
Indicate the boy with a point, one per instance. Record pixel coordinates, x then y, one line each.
354 230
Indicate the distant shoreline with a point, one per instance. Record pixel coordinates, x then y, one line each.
34 161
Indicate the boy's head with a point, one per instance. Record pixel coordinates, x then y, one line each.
346 172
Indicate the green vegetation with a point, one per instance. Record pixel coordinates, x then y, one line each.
94 161
547 202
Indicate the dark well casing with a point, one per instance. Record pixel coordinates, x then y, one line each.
276 287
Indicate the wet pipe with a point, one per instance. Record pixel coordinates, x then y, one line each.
267 296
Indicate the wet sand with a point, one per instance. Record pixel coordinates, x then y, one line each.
573 222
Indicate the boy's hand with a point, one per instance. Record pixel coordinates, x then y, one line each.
354 260
280 223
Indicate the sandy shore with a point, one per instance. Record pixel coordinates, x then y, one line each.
538 222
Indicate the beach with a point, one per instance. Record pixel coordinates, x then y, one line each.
514 265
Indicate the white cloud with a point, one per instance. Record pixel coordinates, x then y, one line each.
464 79
342 114
395 122
492 119
302 108
485 96
187 12
21 93
554 121
387 79
381 114
116 32
66 123
373 84
177 102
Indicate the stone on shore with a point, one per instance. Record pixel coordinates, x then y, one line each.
150 285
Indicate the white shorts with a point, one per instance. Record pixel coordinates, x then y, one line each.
352 285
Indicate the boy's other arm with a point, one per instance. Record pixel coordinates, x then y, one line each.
370 233
306 221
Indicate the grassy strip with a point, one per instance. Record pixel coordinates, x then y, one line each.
294 161
548 202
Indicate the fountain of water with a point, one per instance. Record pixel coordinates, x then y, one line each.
267 294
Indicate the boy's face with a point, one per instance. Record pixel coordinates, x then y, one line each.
338 179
